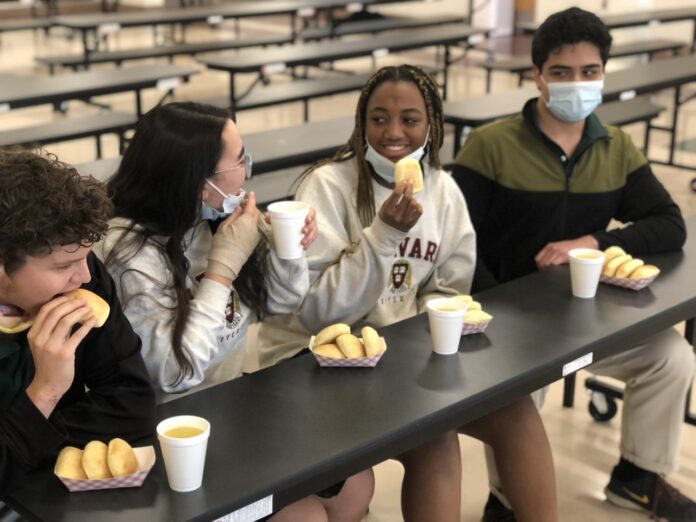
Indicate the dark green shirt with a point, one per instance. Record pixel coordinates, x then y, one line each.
523 193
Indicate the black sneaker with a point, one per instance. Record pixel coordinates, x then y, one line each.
495 511
651 493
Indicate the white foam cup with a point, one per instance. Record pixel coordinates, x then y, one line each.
446 318
585 269
184 457
287 221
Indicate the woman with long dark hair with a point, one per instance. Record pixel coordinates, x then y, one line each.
193 267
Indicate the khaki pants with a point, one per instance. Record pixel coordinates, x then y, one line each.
657 375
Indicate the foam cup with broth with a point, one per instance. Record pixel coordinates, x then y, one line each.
585 269
184 441
446 317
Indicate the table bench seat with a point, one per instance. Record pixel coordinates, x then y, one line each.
71 129
521 64
76 61
374 26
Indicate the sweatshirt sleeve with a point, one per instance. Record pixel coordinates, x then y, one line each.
150 307
346 277
457 258
288 282
656 222
27 439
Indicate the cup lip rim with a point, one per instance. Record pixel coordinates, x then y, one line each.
573 253
301 209
183 441
430 305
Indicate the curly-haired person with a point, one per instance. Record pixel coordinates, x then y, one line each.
61 382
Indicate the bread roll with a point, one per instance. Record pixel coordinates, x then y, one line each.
100 308
121 458
372 341
644 271
628 267
69 464
409 169
94 461
612 266
330 334
473 305
329 350
477 317
351 346
14 324
465 298
612 252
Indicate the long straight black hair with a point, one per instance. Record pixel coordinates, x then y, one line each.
158 186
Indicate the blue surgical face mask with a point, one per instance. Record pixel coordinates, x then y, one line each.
573 101
229 204
384 167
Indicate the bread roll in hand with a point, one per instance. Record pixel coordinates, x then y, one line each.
100 308
121 458
409 169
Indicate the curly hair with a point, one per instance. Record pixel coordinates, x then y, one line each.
45 203
355 148
569 27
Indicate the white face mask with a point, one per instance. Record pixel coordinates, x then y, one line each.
230 203
384 167
573 101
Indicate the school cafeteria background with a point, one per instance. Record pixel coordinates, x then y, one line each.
584 450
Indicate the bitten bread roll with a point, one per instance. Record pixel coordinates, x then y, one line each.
628 267
100 308
121 458
94 461
14 324
477 317
329 334
645 271
351 346
372 341
330 350
409 169
612 252
612 266
69 464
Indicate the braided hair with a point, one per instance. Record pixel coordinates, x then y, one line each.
355 148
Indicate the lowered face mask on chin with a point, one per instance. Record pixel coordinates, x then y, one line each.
384 167
573 101
230 203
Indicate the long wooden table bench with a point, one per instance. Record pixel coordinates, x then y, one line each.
520 65
72 129
77 61
374 26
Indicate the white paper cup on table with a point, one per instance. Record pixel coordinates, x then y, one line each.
287 221
585 269
184 441
446 317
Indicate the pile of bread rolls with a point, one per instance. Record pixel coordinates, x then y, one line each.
620 265
474 313
336 342
97 461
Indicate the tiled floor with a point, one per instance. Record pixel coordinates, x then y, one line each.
584 450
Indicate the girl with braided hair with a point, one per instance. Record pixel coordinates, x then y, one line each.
381 253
